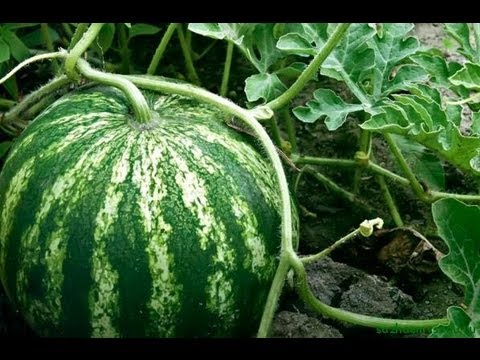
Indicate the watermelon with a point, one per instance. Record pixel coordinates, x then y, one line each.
113 228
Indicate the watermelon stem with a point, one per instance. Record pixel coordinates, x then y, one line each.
49 55
161 49
187 54
365 144
143 114
311 69
226 69
77 35
365 229
48 44
358 319
45 95
414 183
275 291
389 199
80 47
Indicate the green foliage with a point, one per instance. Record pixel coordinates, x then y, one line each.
373 62
461 33
326 103
456 225
258 44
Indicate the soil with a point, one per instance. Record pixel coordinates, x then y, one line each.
354 278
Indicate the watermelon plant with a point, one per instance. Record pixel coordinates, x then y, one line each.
137 205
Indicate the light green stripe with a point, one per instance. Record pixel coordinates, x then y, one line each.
49 309
65 192
104 294
249 159
147 177
83 129
256 260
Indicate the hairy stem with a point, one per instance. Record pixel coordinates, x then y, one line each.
273 296
124 50
161 48
414 183
311 69
79 31
17 112
364 145
68 30
187 54
277 138
135 97
323 161
357 319
81 46
5 103
312 258
48 43
30 60
434 195
330 184
385 172
290 125
226 69
389 200
207 49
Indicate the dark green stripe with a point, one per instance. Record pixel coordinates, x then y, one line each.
191 263
126 253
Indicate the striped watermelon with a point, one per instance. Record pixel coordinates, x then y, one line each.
112 228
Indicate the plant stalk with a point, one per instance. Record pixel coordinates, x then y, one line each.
48 44
310 70
80 47
143 114
312 258
187 54
77 35
414 183
290 125
124 50
397 219
364 145
17 112
357 319
161 48
226 69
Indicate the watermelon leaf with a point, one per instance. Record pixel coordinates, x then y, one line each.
326 103
460 32
421 118
258 43
373 61
142 29
455 222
